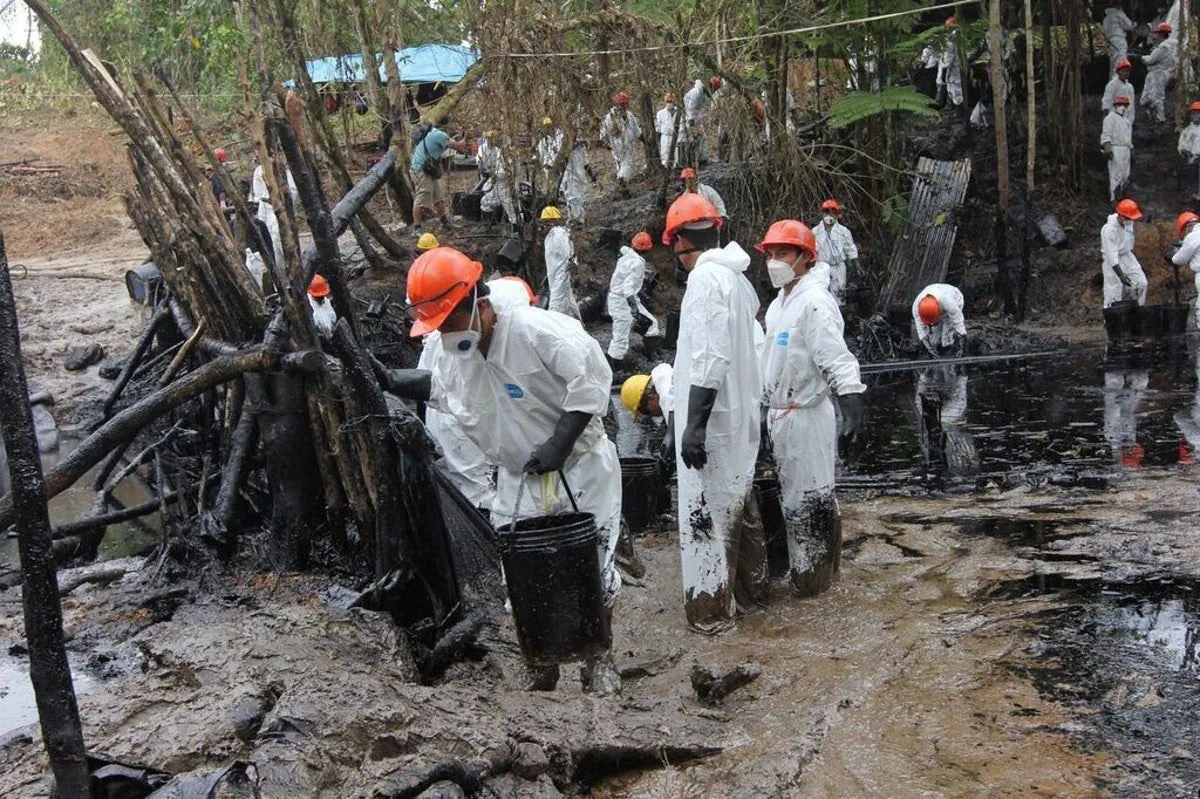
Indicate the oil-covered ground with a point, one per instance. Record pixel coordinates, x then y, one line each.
1016 615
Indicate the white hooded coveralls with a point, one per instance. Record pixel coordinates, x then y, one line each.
939 336
324 317
664 126
621 131
259 193
949 71
548 148
1124 390
709 193
496 192
540 365
1160 65
1117 26
716 350
1189 256
804 363
464 463
1116 87
1189 147
1117 131
574 183
626 282
1116 248
560 256
836 247
663 377
695 107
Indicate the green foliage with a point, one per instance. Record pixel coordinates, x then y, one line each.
857 106
14 59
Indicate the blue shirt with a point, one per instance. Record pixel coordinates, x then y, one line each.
433 145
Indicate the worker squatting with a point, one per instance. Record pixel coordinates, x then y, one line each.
520 392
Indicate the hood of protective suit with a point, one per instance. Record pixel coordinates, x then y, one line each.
629 252
818 275
731 256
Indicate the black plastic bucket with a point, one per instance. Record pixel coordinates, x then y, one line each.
1151 320
552 567
1175 317
770 507
640 492
144 284
672 330
651 346
1119 320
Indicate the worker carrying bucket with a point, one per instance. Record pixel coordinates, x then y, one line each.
529 388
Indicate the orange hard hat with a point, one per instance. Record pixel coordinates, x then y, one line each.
621 98
689 211
930 310
1163 27
714 82
221 155
319 287
1124 63
642 242
687 173
789 233
1183 221
831 205
951 22
528 288
1133 455
1129 209
1120 99
437 282
670 98
1194 106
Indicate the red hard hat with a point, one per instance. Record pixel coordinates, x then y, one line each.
687 173
951 22
319 287
1120 99
1194 106
1133 456
1163 27
221 155
789 233
642 242
437 282
689 211
831 205
621 99
1124 63
1182 222
1129 209
714 82
930 310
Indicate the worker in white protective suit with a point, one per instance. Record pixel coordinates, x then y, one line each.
949 74
1116 142
465 464
1188 253
691 182
623 300
1160 66
1123 275
718 385
836 247
323 315
670 141
620 131
1124 390
1117 26
560 261
575 180
548 148
529 388
805 363
496 190
1119 86
650 395
696 102
938 320
1189 147
260 195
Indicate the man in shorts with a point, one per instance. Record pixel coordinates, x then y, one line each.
428 175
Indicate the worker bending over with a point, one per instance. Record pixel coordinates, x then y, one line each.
1116 141
529 388
1123 275
691 182
718 386
560 258
836 247
804 362
623 301
938 319
650 395
1188 253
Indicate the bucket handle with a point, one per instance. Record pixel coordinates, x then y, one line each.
521 492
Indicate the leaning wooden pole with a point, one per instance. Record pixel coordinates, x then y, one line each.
62 732
995 39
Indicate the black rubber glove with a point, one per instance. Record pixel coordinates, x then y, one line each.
764 426
413 384
666 453
552 454
959 348
633 305
700 405
854 419
1125 281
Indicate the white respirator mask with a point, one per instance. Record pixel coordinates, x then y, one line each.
462 343
1120 109
828 219
780 272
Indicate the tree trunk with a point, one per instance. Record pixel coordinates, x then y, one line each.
1030 161
49 671
1073 144
1003 189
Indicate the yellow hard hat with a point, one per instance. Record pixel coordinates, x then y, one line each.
547 121
632 392
550 213
428 241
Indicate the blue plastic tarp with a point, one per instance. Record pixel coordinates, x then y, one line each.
425 63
